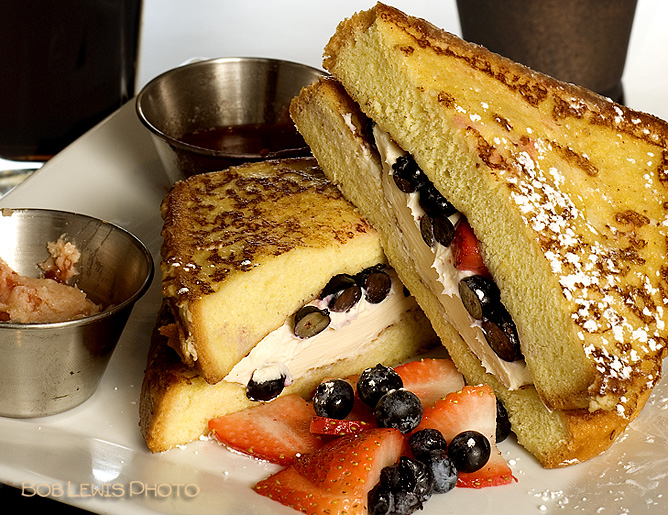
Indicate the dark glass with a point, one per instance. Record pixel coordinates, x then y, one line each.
65 65
580 41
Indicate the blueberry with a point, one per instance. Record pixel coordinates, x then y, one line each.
501 334
417 477
375 382
265 384
469 451
437 228
309 321
503 427
334 399
380 500
344 291
407 175
376 283
427 230
400 409
480 296
409 482
433 202
406 502
442 469
426 440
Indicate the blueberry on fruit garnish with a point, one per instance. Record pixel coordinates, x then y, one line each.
442 469
480 295
380 500
503 427
334 398
344 292
469 451
426 440
400 409
433 202
417 477
501 335
265 384
407 175
309 321
376 284
405 485
374 382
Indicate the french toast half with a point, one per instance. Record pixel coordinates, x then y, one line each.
337 133
245 248
564 189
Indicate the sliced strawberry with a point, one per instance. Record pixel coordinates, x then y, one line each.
430 379
466 251
275 431
495 473
351 464
290 488
336 427
336 478
471 408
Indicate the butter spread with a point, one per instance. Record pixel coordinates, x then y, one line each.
343 338
436 267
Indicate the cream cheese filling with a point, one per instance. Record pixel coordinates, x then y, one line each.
437 270
345 337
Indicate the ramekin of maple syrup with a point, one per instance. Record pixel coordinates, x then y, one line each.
212 114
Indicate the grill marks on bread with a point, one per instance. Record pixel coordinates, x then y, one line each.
232 228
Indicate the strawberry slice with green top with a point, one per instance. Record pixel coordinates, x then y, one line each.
471 408
276 431
430 379
336 478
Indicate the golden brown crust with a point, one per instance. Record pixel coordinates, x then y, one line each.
224 223
562 186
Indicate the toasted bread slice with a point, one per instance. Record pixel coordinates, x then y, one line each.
245 248
565 190
337 132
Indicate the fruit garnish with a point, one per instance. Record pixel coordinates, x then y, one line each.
496 472
336 478
469 451
430 379
334 398
275 431
423 442
337 427
400 409
473 408
374 382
